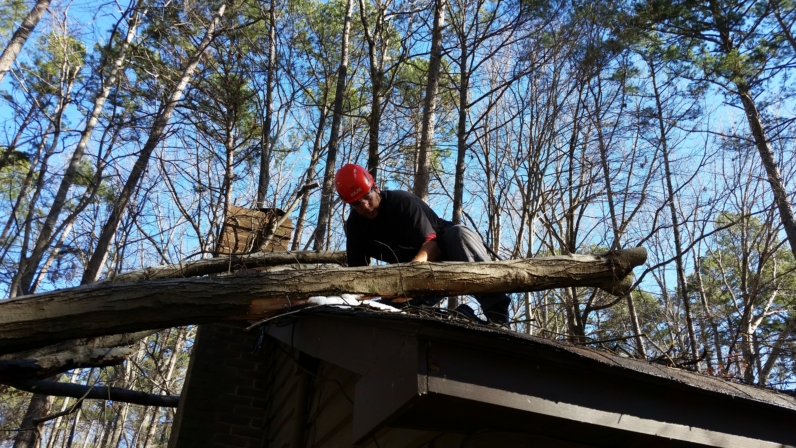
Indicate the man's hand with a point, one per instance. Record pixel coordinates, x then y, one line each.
429 251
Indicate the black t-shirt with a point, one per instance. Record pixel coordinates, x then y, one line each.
402 225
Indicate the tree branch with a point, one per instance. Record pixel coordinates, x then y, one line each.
46 366
96 392
224 264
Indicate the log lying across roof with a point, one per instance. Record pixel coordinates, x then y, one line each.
219 265
111 308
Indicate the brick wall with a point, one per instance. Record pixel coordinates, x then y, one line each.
223 401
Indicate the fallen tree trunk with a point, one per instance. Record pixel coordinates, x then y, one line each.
228 264
47 366
96 392
109 308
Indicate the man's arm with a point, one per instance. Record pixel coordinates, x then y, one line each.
355 252
429 251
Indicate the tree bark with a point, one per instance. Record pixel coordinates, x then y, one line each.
110 308
229 264
37 368
461 132
778 188
29 437
325 208
377 77
776 351
422 176
678 246
265 155
763 144
21 36
314 158
76 344
94 265
96 392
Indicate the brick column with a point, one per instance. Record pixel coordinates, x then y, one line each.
222 403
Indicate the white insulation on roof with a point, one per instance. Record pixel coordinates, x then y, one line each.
350 300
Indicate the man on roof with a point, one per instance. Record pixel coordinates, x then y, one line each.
398 227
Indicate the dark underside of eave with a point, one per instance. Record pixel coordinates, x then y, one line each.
489 368
519 344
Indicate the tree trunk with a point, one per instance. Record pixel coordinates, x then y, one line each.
376 83
57 123
29 438
631 308
678 257
265 155
461 134
778 188
422 175
94 266
108 308
776 351
118 428
21 36
708 313
107 433
762 143
72 430
314 158
325 209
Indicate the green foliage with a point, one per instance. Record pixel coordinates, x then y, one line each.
748 264
85 178
318 41
614 322
723 41
410 85
12 13
748 278
59 60
14 165
13 159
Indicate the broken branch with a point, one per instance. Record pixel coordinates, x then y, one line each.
224 264
46 366
96 392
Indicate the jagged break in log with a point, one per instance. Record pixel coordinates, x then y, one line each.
108 308
97 393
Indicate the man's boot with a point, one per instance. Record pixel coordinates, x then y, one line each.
498 314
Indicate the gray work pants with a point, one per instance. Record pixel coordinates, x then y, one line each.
459 243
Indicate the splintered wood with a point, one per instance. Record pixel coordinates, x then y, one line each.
245 231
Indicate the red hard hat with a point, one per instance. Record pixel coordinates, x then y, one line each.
352 182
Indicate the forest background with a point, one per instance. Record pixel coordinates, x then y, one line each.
550 127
